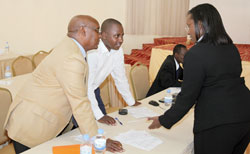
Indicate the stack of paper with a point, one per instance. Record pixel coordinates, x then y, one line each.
142 112
139 139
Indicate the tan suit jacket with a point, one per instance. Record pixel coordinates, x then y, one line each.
44 106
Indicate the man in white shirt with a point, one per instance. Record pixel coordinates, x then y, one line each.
108 59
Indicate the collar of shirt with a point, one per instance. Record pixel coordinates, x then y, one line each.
103 49
200 38
80 47
176 64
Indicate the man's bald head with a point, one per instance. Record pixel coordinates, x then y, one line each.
85 30
107 24
78 21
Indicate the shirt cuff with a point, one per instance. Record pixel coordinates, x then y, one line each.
98 114
130 102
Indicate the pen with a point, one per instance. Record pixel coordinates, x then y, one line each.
118 120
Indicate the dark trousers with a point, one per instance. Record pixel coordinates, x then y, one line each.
19 148
99 100
224 139
100 104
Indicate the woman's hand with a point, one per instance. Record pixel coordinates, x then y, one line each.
155 124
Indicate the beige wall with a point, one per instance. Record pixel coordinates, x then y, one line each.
32 25
235 15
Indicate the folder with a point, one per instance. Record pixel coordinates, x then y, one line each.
66 149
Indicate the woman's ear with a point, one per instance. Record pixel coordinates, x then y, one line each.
201 28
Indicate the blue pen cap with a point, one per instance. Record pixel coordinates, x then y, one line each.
85 137
100 131
168 90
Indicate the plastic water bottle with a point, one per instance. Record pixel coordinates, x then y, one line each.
7 48
7 73
168 98
86 146
100 142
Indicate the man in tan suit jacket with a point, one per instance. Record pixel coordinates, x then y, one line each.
57 89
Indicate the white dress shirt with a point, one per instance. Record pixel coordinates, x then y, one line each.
80 47
101 63
176 64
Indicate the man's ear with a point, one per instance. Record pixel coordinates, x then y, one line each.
82 31
104 35
175 55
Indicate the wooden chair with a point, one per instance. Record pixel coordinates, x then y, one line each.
104 89
5 102
51 50
8 149
116 99
38 57
22 65
140 80
248 149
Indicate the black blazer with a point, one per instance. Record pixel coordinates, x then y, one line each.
166 76
212 82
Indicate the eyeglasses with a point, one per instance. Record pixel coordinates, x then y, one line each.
97 30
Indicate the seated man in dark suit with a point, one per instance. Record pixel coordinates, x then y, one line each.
170 72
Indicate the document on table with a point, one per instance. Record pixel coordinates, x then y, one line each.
141 112
139 139
189 149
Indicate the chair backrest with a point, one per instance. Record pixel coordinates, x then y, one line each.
140 80
5 102
38 57
116 99
22 65
50 50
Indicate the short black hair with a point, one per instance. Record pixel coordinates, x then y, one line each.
177 48
214 31
107 24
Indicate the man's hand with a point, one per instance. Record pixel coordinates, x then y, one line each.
113 146
107 120
155 124
137 103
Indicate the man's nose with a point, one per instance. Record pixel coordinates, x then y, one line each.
120 39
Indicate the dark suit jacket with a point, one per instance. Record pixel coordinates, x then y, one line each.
212 82
166 76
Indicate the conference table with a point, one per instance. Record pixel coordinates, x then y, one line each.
177 140
14 84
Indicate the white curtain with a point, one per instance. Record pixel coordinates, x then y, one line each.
156 17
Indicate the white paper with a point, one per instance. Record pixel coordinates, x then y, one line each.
189 149
141 112
139 139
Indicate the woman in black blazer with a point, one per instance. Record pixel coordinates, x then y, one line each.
213 84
